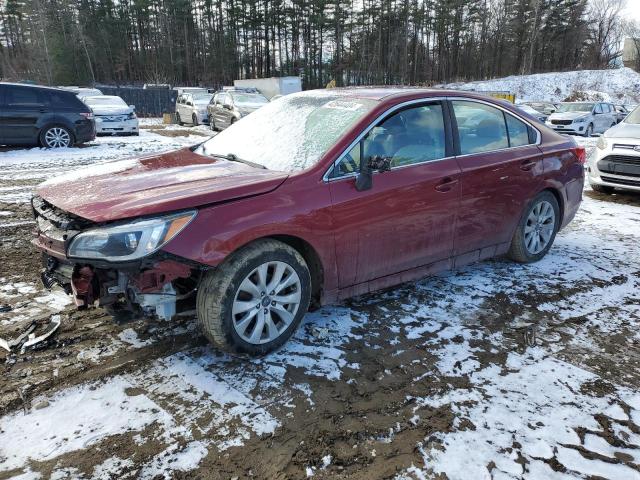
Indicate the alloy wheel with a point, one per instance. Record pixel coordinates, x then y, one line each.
266 302
57 137
539 227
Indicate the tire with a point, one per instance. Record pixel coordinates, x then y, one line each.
236 283
194 120
212 124
602 188
179 120
589 131
56 136
524 248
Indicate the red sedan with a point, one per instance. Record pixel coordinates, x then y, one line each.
316 197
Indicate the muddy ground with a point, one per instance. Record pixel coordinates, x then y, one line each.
494 371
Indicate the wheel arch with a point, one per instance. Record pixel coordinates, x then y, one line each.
559 198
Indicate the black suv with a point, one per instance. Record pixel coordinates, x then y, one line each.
50 117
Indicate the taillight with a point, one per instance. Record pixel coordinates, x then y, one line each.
87 115
580 153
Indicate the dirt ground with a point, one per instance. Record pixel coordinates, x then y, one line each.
493 371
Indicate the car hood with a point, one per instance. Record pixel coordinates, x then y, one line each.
568 115
111 110
624 130
155 184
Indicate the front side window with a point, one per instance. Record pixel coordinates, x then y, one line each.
410 136
481 128
598 108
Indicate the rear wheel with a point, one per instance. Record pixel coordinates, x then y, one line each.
536 230
255 300
56 136
602 188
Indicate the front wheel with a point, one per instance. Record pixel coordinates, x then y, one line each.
589 131
194 120
56 136
536 230
254 301
178 119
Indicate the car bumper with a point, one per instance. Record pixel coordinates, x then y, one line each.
85 131
618 168
574 128
115 128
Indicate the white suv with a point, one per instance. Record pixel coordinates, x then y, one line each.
583 118
615 162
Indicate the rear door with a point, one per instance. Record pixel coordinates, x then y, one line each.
406 219
23 108
501 170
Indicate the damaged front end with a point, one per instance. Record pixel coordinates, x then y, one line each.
116 266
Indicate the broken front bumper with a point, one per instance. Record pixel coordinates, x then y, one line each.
150 286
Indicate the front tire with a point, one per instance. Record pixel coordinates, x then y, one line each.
179 120
589 131
254 301
194 120
56 136
536 230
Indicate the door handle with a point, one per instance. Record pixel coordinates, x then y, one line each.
528 165
446 184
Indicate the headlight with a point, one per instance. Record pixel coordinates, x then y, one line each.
129 241
131 116
580 120
601 143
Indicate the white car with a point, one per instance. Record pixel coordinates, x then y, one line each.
583 118
192 108
113 116
615 162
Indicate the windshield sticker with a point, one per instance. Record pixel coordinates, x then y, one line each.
342 105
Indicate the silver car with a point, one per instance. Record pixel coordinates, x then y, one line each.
229 106
192 108
615 162
583 118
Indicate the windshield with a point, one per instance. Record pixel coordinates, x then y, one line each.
575 107
292 133
633 117
202 98
249 99
105 100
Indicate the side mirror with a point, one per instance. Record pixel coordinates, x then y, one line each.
364 180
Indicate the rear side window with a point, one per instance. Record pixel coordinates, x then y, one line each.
23 96
481 128
62 99
519 132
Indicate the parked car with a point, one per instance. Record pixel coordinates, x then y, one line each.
112 115
192 108
49 117
615 162
546 108
583 118
316 197
621 112
229 106
533 112
269 87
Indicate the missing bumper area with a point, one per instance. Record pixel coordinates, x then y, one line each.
161 290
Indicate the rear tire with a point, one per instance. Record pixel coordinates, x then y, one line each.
254 301
602 188
56 136
536 229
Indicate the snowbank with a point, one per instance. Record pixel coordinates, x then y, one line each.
618 85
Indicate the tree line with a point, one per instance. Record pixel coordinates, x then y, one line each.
349 42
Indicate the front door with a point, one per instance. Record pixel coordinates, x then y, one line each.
501 169
407 218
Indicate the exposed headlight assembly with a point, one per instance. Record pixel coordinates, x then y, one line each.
128 241
601 143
